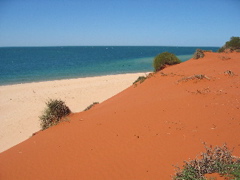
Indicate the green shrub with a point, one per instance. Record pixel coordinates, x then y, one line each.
232 44
53 114
198 54
232 171
221 49
164 59
214 160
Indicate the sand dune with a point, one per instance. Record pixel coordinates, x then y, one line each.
141 132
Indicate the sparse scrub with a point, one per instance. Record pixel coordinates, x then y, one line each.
195 77
221 49
53 114
229 72
140 79
164 59
224 58
200 76
90 106
214 160
198 54
233 45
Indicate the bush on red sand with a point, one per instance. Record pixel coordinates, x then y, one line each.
214 160
55 111
164 59
232 45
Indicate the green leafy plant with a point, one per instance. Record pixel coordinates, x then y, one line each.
232 44
198 54
164 59
53 114
214 160
232 171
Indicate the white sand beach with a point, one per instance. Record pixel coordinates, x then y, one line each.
22 104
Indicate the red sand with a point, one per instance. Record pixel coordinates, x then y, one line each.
141 132
216 176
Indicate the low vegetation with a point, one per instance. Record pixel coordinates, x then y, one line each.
214 160
55 111
233 45
194 77
198 54
229 72
90 106
140 79
164 59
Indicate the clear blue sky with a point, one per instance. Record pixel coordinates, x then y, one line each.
118 22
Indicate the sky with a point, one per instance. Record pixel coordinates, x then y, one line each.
118 22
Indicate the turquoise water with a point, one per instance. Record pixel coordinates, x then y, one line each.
32 64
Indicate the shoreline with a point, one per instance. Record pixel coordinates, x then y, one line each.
22 104
183 58
70 78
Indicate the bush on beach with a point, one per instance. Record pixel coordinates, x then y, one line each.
53 114
164 59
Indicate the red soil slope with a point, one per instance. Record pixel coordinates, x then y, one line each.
141 132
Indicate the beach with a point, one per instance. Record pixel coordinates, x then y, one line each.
22 104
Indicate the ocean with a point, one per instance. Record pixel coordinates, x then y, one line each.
34 64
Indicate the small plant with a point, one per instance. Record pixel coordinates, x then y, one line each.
164 59
140 79
90 106
229 72
198 54
214 160
53 114
195 77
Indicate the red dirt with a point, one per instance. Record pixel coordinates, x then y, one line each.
215 176
141 132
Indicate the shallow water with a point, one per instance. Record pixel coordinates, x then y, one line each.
31 64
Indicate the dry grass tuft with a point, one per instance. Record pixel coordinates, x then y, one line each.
91 106
229 72
194 77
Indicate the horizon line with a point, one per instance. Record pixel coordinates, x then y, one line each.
103 46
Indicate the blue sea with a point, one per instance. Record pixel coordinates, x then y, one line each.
33 64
